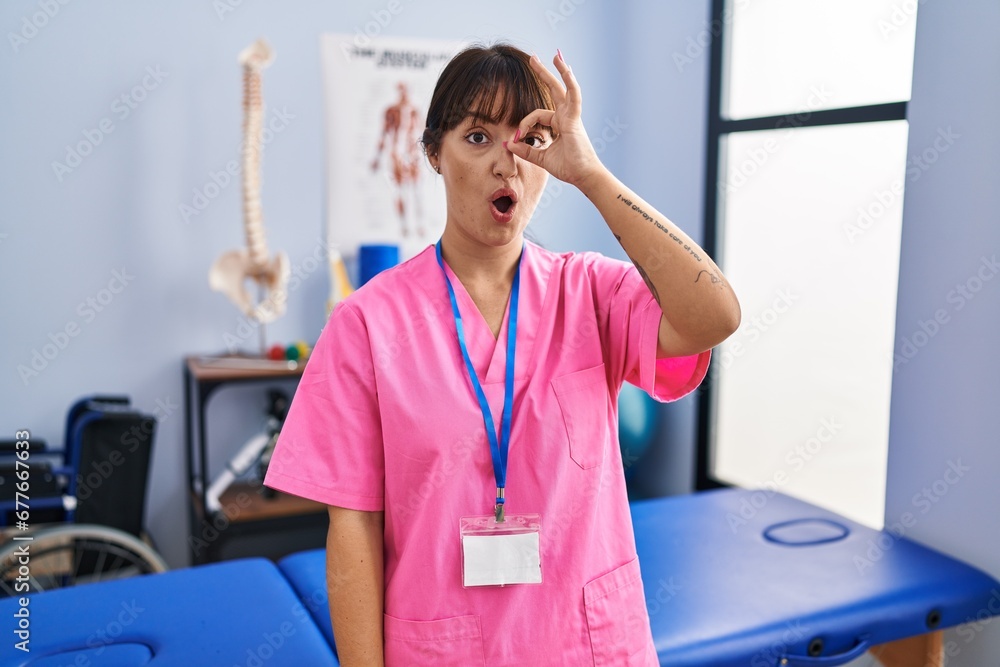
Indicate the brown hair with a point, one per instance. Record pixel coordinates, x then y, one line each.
471 83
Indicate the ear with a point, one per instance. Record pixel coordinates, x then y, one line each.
434 161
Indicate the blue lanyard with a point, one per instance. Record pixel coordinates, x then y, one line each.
498 450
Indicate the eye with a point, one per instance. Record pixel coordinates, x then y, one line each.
535 141
477 138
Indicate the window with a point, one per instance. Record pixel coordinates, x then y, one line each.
806 170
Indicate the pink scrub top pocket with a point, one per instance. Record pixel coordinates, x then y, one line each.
448 642
583 402
619 628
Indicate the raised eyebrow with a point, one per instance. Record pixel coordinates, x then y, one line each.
474 119
478 119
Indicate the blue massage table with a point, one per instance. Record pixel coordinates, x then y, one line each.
732 578
736 578
241 612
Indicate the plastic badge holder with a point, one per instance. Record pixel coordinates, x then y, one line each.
497 554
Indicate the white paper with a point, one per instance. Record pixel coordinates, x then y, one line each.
494 560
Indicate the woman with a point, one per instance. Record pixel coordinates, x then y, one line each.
480 379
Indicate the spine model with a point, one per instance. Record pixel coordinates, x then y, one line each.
231 271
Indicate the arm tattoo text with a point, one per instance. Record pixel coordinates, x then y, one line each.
673 237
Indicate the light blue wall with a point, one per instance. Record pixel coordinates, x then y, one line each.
62 236
664 90
944 444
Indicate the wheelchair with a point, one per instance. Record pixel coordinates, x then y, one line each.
75 515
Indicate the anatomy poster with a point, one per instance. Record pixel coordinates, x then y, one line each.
379 186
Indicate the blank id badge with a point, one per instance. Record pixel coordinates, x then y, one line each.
500 553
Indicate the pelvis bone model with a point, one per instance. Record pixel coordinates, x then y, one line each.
231 271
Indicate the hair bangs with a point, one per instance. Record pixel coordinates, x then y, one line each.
494 84
504 92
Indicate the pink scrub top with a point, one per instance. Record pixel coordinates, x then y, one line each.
385 419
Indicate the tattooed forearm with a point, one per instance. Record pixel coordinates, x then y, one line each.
673 237
642 272
649 283
636 208
714 278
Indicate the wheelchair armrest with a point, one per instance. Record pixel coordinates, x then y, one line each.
120 399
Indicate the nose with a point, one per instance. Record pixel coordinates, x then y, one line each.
505 165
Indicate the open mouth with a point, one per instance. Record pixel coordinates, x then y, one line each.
503 203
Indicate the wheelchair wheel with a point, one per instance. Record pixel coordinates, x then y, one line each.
73 554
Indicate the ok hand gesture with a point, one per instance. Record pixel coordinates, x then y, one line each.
570 156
